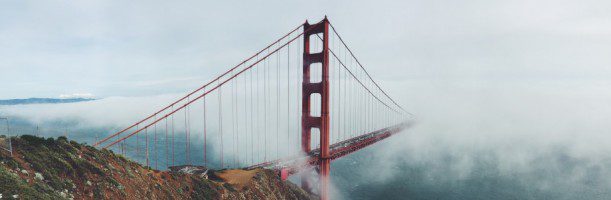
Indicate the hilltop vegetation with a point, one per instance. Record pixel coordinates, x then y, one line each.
61 169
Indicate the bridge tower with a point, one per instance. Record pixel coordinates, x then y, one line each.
309 122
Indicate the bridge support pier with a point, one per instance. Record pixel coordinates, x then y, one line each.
309 122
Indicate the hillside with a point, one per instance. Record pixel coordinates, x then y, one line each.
61 169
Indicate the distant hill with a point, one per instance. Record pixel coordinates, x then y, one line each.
42 101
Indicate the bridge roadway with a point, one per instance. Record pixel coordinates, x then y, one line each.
292 165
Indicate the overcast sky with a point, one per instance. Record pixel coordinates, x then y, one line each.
138 48
516 79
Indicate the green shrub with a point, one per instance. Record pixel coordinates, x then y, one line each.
202 189
11 184
33 140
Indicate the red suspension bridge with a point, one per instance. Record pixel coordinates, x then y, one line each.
249 116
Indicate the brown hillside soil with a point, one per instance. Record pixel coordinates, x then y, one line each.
61 169
238 178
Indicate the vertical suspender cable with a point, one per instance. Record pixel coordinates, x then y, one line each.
232 87
137 143
246 120
265 101
167 153
235 116
237 125
205 135
339 100
221 124
288 99
277 105
345 107
252 130
336 96
186 133
351 102
297 83
147 147
360 114
245 141
173 136
186 110
259 113
155 144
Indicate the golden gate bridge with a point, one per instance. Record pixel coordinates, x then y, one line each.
294 106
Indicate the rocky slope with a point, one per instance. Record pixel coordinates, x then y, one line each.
61 169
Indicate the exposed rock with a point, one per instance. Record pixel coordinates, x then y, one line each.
63 194
200 171
38 176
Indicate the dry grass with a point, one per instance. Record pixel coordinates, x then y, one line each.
238 178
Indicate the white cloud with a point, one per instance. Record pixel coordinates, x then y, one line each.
77 95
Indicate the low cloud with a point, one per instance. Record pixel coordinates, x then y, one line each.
533 140
77 95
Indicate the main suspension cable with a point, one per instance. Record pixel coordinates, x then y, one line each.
367 73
